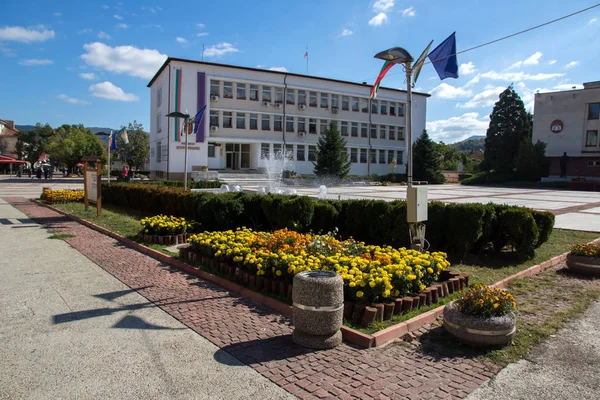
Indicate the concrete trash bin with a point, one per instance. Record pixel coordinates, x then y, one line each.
318 308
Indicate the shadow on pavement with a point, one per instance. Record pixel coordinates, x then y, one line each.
133 322
439 344
261 350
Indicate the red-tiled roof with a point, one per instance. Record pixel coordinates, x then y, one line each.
8 131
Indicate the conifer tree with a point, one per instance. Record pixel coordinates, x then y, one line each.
332 160
426 160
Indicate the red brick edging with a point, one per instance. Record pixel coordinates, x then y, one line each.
350 335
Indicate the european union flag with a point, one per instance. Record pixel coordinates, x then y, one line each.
113 141
198 119
444 60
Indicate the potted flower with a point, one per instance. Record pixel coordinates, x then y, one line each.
483 316
584 259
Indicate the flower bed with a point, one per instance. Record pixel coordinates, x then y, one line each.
584 259
163 229
62 195
373 275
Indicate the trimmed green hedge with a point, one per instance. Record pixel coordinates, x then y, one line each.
191 184
458 229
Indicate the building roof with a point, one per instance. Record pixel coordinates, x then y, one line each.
9 128
169 59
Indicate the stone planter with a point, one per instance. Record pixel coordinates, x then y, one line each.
584 265
318 308
478 331
164 239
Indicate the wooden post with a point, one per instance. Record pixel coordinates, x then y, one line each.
85 187
99 187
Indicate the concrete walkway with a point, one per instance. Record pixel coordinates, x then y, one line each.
564 367
68 329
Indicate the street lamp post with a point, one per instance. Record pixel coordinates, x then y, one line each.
186 117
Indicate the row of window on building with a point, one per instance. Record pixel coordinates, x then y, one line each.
303 125
274 94
591 138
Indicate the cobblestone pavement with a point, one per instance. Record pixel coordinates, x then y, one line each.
261 338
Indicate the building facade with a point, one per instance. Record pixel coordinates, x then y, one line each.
8 138
568 122
253 115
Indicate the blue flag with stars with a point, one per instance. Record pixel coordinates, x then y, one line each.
444 59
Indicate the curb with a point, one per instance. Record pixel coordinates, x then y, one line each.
350 335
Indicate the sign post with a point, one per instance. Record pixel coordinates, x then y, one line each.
92 175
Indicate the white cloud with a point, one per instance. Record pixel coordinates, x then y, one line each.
71 100
473 81
260 66
107 90
123 26
592 21
86 30
517 76
220 49
534 59
6 51
378 19
409 12
457 128
26 35
466 69
446 91
202 34
280 69
89 76
383 5
181 40
57 14
346 32
572 64
129 60
103 35
105 6
118 17
35 62
568 86
152 26
552 62
487 98
200 26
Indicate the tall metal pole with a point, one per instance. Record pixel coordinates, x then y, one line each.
185 156
409 166
109 139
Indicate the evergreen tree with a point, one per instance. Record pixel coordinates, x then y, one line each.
426 160
532 163
510 126
332 160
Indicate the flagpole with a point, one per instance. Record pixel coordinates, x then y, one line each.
306 60
409 165
109 139
185 155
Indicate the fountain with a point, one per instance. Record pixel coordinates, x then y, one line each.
323 192
275 165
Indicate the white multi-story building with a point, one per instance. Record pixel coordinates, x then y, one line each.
568 122
253 114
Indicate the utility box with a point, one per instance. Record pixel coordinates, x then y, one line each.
416 204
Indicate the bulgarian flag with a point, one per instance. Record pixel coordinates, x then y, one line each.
384 70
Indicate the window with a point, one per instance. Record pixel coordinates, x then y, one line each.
400 109
312 153
353 155
254 92
159 97
240 120
355 104
254 121
399 157
301 97
158 152
289 151
363 156
381 156
594 111
364 105
345 103
373 156
279 95
591 139
400 133
301 124
323 126
374 106
300 149
383 108
211 150
289 124
266 96
335 101
266 123
159 123
265 149
228 90
277 151
227 119
344 128
215 88
373 131
382 130
290 97
354 129
324 100
312 125
390 156
392 133
241 91
313 99
214 118
393 109
363 130
278 123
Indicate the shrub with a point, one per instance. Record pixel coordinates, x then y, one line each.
545 223
520 229
587 250
324 217
436 225
466 222
484 178
485 302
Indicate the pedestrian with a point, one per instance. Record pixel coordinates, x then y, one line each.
132 174
564 160
20 171
46 173
125 174
38 173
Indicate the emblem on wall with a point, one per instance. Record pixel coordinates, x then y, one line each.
556 126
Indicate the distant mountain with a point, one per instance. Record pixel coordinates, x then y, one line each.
472 143
475 137
27 128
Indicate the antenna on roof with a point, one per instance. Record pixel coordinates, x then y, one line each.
202 59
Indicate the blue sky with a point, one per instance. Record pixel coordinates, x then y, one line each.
90 61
